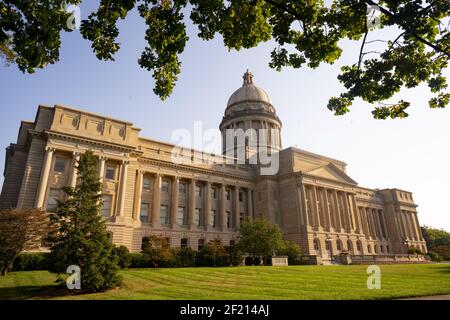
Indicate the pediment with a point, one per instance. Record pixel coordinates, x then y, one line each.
331 172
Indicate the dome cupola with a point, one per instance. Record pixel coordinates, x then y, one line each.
250 107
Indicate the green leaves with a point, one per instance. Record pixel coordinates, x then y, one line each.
305 31
166 37
101 29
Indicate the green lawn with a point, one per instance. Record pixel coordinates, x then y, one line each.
294 282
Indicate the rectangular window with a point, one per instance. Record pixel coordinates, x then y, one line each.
146 184
228 194
213 219
164 215
198 218
214 193
182 216
165 185
198 190
107 205
60 165
182 187
110 173
241 218
241 196
144 212
52 201
228 219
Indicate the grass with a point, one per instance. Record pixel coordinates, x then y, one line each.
241 283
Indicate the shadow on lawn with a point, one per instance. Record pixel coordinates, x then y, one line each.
36 292
444 269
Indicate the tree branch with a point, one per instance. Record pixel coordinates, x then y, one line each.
407 29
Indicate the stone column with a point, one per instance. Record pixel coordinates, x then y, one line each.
74 173
249 204
174 202
123 188
418 226
406 225
191 204
337 211
138 195
350 210
383 223
328 209
222 208
315 206
45 171
156 200
378 221
304 205
237 209
101 171
207 217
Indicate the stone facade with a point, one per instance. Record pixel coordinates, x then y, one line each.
312 199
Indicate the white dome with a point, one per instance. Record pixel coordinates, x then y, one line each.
248 93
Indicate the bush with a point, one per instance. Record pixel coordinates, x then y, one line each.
32 262
434 256
185 257
139 260
124 256
212 255
292 251
234 255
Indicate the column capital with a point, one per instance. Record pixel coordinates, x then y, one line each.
125 162
76 154
50 149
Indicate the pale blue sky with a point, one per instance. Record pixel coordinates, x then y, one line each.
410 154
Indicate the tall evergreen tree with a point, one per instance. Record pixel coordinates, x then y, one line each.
80 236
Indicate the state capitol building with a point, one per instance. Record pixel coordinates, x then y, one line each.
312 199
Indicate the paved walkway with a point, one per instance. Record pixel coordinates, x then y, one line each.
441 297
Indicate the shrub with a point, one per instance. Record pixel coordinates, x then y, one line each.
434 256
32 262
212 255
292 251
139 260
235 257
185 257
124 256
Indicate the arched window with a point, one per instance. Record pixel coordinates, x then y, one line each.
381 249
349 245
369 248
375 248
387 249
339 245
184 243
201 244
316 244
359 246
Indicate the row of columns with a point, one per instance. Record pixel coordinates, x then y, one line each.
191 203
409 225
330 209
45 174
374 223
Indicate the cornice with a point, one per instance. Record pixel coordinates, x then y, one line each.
216 173
99 143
